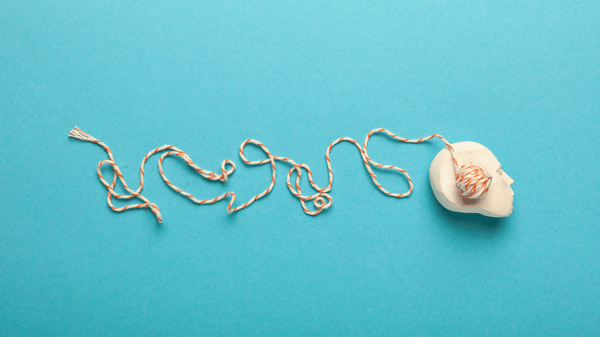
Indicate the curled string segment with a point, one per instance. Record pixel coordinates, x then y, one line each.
78 134
472 180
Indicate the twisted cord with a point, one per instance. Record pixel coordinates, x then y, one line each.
472 180
78 134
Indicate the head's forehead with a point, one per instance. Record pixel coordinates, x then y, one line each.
477 154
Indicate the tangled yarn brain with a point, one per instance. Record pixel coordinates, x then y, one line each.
473 181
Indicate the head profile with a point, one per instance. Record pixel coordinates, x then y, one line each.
497 201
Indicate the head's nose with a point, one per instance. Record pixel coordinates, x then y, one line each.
508 179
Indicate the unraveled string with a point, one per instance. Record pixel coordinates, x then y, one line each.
472 180
78 134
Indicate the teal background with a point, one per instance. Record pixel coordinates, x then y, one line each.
521 77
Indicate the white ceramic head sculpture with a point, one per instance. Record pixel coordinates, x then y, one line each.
495 201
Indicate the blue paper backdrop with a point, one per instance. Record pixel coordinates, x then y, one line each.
521 77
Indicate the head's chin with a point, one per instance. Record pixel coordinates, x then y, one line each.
499 210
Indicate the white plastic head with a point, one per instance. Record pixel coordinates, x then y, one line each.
496 202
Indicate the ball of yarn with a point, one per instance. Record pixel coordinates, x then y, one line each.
473 181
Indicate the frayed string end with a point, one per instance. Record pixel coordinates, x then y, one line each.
78 134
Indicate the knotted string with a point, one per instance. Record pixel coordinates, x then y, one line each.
472 180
